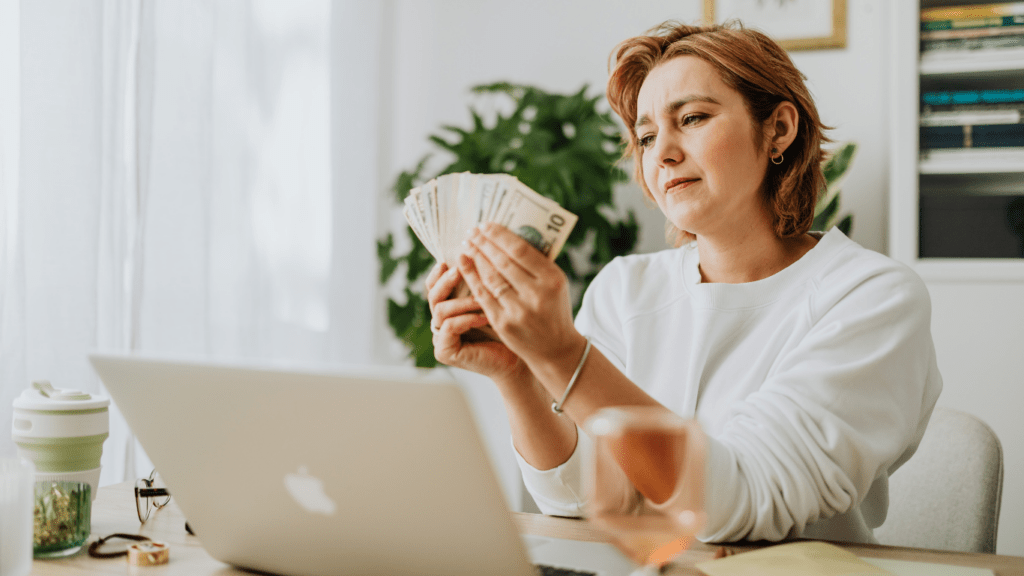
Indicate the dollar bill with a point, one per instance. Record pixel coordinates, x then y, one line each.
442 211
536 219
414 215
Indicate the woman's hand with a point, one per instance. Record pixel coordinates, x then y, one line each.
524 295
453 317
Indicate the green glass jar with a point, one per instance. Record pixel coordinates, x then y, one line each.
61 518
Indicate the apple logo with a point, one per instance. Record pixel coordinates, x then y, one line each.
308 491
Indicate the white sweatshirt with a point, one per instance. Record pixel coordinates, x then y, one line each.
813 385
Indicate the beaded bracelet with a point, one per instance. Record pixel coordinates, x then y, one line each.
556 407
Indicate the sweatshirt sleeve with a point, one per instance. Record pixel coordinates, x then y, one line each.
846 406
560 490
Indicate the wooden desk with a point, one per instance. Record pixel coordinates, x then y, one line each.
114 511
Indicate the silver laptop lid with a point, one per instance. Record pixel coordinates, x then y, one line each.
364 470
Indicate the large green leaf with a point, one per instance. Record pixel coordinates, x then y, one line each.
407 179
845 224
826 213
411 323
388 265
839 162
824 218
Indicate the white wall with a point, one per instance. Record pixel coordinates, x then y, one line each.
851 89
979 340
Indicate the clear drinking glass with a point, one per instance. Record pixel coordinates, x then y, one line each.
646 482
16 479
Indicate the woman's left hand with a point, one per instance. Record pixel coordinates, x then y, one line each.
524 295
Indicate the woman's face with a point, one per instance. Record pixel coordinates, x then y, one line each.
699 155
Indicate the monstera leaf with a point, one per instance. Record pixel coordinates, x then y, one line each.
826 213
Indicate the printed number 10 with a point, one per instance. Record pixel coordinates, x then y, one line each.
555 222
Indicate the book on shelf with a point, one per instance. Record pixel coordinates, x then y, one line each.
971 32
944 97
1016 21
972 136
971 117
969 108
938 61
971 160
972 11
967 45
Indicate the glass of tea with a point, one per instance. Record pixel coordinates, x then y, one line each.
646 482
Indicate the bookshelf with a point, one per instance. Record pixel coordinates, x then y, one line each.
952 210
977 302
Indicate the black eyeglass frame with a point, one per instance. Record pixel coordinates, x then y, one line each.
144 490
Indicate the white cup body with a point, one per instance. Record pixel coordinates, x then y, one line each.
17 481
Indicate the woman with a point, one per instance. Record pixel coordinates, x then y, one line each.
806 359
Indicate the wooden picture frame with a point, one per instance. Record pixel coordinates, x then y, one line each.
794 24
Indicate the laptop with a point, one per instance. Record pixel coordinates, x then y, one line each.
356 470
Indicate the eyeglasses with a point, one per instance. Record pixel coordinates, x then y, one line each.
149 494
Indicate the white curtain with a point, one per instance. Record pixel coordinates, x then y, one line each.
12 315
198 179
172 193
235 179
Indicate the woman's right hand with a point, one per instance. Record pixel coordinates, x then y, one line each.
453 317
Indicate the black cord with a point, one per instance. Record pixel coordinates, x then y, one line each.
94 547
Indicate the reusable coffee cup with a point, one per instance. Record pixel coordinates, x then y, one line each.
17 477
62 433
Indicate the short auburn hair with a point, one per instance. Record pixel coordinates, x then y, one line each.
759 69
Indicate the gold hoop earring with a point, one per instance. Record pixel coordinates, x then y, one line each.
780 159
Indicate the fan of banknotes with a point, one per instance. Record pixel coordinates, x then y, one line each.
443 211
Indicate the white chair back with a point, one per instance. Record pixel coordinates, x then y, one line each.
947 496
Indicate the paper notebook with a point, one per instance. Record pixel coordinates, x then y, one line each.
821 559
